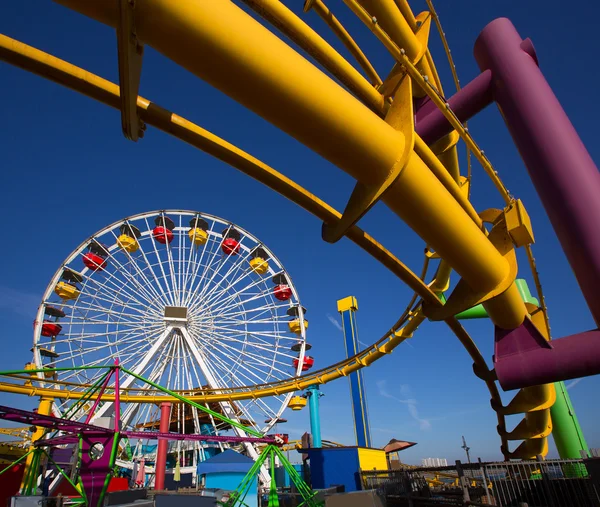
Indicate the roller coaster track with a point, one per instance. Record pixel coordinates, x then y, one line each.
102 90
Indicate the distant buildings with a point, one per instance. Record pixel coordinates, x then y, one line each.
434 462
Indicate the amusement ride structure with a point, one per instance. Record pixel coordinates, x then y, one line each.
147 287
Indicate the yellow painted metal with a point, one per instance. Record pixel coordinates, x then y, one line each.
372 459
347 303
519 224
326 15
385 13
66 291
302 34
44 408
30 366
100 89
297 403
198 236
400 116
127 243
528 449
442 174
530 399
130 53
259 266
295 327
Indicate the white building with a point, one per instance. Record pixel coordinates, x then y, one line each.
434 462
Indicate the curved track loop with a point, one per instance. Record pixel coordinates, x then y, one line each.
106 92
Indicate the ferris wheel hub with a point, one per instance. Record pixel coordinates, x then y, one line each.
176 314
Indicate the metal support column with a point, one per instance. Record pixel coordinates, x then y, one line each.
163 446
313 394
347 308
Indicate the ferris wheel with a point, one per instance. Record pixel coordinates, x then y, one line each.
184 299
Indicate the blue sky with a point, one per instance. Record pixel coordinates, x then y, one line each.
68 171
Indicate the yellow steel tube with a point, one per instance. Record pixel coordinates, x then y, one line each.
389 17
100 89
407 12
297 30
445 178
326 15
393 22
44 408
249 63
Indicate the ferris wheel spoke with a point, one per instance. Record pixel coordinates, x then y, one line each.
141 254
235 379
227 408
215 301
264 346
139 367
119 286
244 329
234 269
225 303
82 303
210 246
231 410
212 258
213 295
89 335
154 376
269 308
172 272
148 238
180 253
151 291
141 332
94 287
234 353
231 266
234 301
81 310
191 266
79 352
266 340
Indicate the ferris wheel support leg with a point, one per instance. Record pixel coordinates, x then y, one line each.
44 408
140 368
161 452
225 406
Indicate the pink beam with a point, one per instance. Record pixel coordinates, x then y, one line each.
157 435
117 397
93 409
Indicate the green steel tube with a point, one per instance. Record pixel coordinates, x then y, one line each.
194 404
567 433
479 312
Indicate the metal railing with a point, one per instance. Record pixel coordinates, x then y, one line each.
536 483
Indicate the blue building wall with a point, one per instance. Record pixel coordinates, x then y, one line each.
334 467
230 481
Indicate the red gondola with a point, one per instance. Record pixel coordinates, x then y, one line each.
50 329
231 241
163 232
307 364
94 262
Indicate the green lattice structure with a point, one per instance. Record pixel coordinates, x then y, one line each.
271 452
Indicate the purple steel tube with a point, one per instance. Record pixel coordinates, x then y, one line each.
432 125
524 358
564 175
